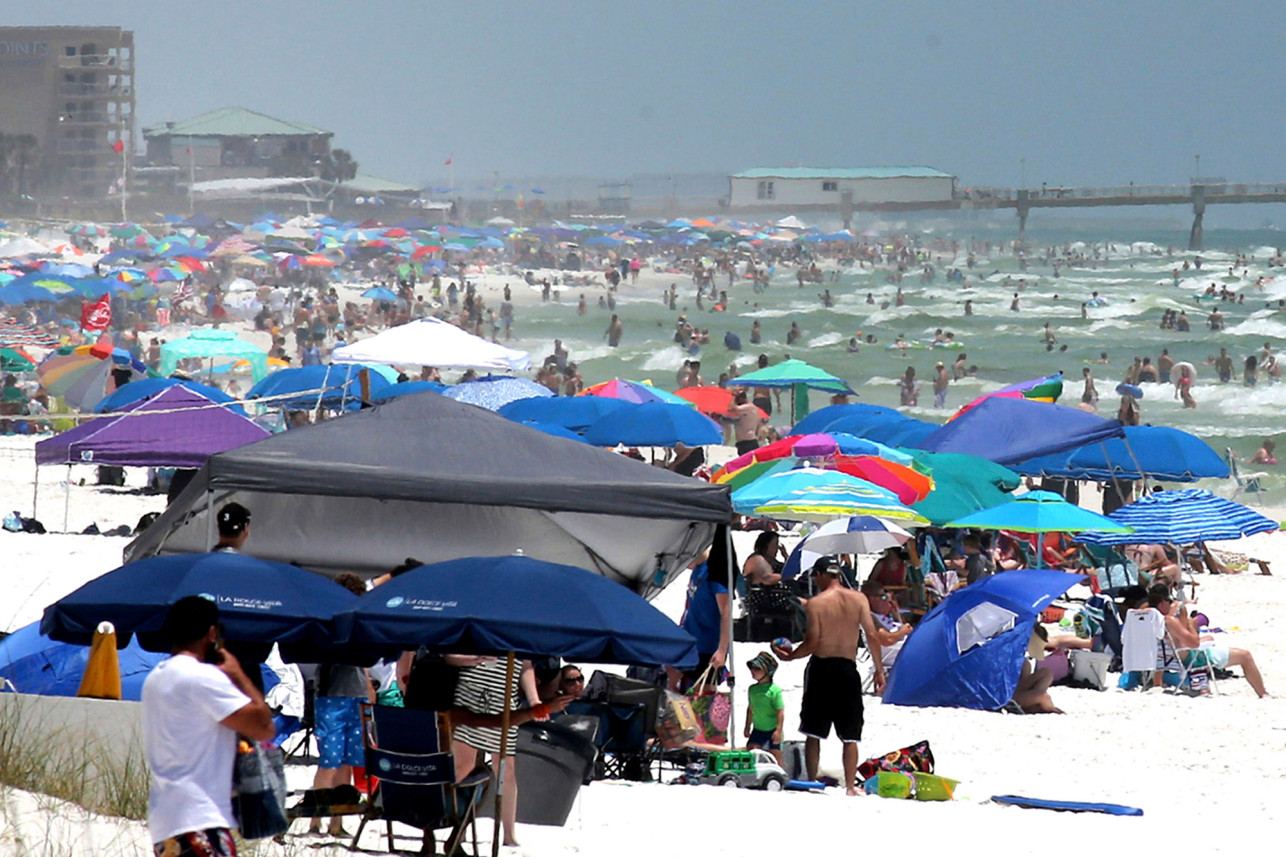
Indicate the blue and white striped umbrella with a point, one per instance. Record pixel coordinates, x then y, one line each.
495 391
1182 517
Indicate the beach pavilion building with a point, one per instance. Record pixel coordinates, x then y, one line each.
833 188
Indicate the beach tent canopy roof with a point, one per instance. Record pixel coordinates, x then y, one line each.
207 344
788 373
234 122
1157 452
1008 431
433 342
436 479
178 427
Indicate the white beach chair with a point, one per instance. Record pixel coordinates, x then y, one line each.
1246 483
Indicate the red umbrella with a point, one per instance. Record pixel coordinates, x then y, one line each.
316 260
716 401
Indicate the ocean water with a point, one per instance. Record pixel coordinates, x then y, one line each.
1006 346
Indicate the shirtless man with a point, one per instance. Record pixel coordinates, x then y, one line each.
832 684
749 418
940 381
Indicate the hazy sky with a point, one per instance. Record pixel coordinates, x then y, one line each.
1086 92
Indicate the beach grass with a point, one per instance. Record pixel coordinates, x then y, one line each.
71 766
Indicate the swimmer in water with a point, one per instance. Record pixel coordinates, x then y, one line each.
1013 306
1266 453
968 308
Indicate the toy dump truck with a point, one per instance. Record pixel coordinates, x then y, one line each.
751 769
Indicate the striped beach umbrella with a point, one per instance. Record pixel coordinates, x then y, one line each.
1182 517
15 334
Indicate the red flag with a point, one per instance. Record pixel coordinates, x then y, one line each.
118 146
449 160
97 315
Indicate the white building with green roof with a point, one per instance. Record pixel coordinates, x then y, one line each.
802 188
234 142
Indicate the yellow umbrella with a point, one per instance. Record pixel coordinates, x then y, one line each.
103 671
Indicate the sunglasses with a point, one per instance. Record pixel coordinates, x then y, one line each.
579 679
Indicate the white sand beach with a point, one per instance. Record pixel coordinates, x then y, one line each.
1206 771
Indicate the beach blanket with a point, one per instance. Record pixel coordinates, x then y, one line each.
1066 805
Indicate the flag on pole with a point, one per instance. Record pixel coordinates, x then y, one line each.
450 158
97 315
118 146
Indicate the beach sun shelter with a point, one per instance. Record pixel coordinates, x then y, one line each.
435 479
433 342
967 652
208 344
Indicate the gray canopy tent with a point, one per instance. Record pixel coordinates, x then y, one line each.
427 477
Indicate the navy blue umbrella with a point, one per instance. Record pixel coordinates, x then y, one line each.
655 424
1180 518
968 651
1157 452
1008 431
500 604
259 601
575 412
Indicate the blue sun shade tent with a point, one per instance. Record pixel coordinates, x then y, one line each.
1008 431
968 651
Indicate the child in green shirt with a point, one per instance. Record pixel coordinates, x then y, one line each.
766 713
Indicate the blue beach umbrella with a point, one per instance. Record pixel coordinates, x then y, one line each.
259 601
821 419
553 430
307 386
967 652
1182 517
380 293
576 412
1155 452
655 424
406 388
501 604
146 387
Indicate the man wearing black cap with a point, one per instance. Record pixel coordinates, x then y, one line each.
194 705
832 684
234 528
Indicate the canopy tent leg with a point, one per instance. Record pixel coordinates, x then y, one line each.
67 499
504 748
209 521
35 491
729 658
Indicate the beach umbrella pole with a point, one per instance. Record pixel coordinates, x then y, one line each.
67 499
1137 466
35 491
504 749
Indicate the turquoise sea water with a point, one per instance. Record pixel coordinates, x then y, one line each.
1134 277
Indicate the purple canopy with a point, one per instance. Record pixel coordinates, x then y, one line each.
185 430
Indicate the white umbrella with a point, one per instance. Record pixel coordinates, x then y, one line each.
858 534
432 342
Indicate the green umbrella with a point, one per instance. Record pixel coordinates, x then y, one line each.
962 484
14 361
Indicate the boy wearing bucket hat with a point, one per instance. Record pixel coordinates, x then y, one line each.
766 714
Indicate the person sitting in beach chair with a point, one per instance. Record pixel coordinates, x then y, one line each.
1181 626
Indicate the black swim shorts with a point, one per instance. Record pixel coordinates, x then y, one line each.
832 697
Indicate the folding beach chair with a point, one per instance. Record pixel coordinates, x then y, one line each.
417 784
1246 483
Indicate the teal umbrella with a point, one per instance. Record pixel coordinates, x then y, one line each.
812 494
1040 512
788 374
962 484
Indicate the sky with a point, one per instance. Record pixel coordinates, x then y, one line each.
1085 93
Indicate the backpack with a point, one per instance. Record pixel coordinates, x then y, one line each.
431 684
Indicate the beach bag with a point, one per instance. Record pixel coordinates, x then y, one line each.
1090 668
917 758
713 709
678 723
259 790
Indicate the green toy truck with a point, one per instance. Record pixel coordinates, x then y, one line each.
751 769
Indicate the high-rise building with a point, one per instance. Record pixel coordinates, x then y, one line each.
66 110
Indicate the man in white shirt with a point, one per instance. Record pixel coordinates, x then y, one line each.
194 705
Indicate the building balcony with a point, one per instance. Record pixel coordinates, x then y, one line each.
104 61
97 90
79 147
90 120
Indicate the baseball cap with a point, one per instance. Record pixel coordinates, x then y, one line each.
826 565
233 518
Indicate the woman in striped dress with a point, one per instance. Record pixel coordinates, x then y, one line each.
481 689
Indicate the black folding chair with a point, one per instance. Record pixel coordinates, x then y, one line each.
417 784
